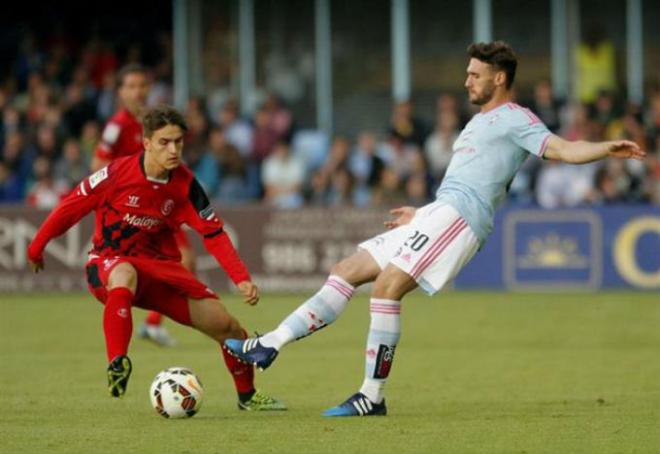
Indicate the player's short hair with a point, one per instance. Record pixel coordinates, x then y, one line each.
160 116
126 70
498 54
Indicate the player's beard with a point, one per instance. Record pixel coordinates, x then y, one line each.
485 96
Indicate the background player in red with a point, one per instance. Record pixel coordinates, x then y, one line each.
140 201
122 136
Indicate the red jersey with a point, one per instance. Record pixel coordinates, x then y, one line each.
122 136
137 216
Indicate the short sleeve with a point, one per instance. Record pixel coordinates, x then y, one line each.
528 131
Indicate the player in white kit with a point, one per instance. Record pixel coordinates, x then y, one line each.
428 246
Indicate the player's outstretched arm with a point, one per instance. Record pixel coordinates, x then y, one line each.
582 152
83 199
71 210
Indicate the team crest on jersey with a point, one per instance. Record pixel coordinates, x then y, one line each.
167 207
98 177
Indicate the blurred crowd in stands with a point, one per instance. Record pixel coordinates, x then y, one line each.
57 98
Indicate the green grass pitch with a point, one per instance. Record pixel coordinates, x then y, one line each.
474 373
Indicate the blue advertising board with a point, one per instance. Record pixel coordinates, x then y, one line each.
581 249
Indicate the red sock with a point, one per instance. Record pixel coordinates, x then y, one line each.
153 318
243 374
117 321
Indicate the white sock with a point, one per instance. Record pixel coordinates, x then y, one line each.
317 312
384 334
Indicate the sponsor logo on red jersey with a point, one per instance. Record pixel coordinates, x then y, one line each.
146 222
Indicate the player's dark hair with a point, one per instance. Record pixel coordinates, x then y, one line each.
131 68
498 54
160 116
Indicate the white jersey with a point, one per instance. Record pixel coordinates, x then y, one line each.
487 154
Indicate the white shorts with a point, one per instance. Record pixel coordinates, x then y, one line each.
432 248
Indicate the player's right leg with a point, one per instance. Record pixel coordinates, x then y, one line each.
118 324
319 311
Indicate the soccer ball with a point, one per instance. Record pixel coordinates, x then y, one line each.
176 393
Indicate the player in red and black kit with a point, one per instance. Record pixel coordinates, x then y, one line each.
140 201
122 136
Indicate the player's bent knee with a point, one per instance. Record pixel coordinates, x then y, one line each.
210 317
225 328
393 283
340 269
123 275
357 269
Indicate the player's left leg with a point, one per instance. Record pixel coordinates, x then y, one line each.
211 318
389 288
173 291
205 313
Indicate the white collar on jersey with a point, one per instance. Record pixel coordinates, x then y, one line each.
157 180
152 179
